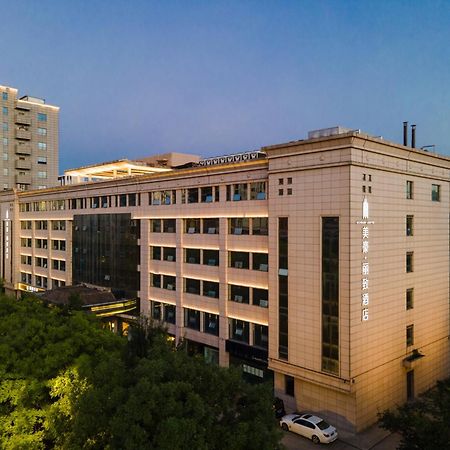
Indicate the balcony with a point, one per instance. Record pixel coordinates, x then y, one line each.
23 118
23 148
23 134
23 178
22 164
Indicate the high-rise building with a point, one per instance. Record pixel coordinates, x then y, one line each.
29 152
321 265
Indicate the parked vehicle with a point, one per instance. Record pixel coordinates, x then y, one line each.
309 426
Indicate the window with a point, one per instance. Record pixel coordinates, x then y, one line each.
156 310
169 313
42 174
211 289
289 385
260 226
260 262
5 156
409 225
58 244
25 277
207 194
211 257
122 200
191 195
261 297
42 146
238 260
239 330
5 171
41 117
25 224
192 255
163 197
41 225
42 131
169 283
155 253
5 141
155 280
5 111
260 336
409 189
410 298
41 281
410 385
211 324
41 262
435 192
409 335
156 225
240 192
41 243
25 242
409 262
58 225
239 225
289 191
4 96
239 294
169 226
289 180
192 319
25 259
169 254
42 160
211 226
280 192
258 191
59 264
192 286
132 199
280 181
192 226
5 126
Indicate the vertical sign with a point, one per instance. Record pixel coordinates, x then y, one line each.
365 269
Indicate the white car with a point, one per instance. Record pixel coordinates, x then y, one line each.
309 426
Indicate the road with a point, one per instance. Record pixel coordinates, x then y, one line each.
293 441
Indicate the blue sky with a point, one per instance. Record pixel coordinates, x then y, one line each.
136 77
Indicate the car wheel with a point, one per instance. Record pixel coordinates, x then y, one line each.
284 426
315 439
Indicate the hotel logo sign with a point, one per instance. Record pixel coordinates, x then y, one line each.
365 268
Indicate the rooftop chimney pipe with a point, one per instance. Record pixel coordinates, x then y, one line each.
413 136
405 134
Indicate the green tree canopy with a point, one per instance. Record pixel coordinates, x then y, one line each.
68 384
425 423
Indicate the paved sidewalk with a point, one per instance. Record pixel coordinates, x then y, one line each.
372 438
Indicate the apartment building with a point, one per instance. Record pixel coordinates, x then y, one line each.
29 142
321 265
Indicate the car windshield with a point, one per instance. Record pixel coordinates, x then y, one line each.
323 425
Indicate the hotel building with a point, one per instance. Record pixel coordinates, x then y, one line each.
29 142
321 265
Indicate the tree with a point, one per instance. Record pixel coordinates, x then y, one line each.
425 423
66 383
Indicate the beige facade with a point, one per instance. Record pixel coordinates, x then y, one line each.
210 270
29 142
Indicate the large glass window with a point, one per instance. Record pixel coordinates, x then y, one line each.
211 289
170 313
155 280
191 195
258 191
240 192
169 282
260 261
192 226
261 336
211 226
192 286
211 324
156 225
239 330
155 252
330 294
261 297
192 319
260 226
169 253
157 308
192 255
238 225
170 226
207 194
239 294
211 257
238 260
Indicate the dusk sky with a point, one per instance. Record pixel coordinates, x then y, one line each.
135 78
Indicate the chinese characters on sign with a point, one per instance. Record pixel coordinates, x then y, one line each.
365 260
